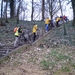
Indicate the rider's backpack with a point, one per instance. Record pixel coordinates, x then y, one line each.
15 29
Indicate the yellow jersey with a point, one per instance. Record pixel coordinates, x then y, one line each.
17 33
34 28
47 21
58 19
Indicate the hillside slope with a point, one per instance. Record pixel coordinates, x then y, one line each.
7 34
52 55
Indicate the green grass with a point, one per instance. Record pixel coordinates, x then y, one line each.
60 57
4 59
47 64
6 32
57 35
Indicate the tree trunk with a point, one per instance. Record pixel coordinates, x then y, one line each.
43 9
18 10
6 12
12 8
1 12
51 9
32 11
73 6
63 20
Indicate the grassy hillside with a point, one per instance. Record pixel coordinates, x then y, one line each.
56 37
52 55
7 34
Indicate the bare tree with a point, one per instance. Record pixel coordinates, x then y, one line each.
52 7
43 9
37 12
32 10
73 6
6 12
1 12
63 20
24 10
12 8
18 11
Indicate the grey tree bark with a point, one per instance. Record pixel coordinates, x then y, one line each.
73 6
63 20
32 10
1 13
43 9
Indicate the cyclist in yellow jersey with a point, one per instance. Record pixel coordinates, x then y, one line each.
17 36
34 30
57 21
47 21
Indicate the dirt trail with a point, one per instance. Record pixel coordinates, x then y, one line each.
24 69
21 64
